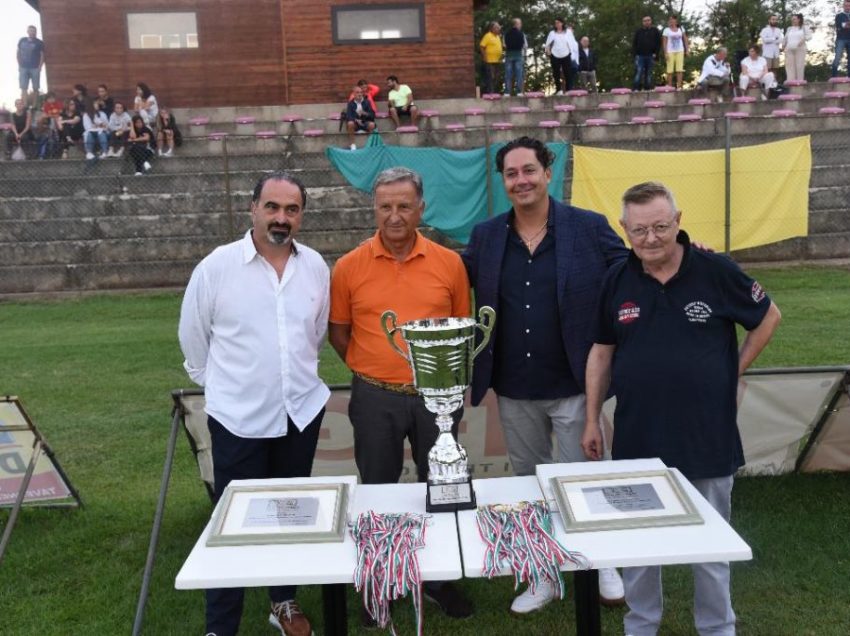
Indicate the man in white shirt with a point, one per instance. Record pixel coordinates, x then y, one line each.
771 39
754 70
716 73
251 325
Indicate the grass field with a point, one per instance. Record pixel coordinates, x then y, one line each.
95 374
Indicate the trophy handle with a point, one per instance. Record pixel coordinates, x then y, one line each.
390 314
487 318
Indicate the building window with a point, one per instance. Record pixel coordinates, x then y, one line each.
384 23
162 30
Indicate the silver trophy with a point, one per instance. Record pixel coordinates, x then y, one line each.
440 351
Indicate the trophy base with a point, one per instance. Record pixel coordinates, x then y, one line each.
451 497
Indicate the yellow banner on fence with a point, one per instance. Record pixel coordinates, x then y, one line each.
769 188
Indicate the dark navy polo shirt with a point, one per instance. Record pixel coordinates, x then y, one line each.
530 360
675 367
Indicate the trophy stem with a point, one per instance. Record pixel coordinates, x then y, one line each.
444 422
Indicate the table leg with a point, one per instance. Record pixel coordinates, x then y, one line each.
334 609
588 622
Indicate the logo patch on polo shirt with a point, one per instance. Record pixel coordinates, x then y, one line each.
757 292
698 311
628 312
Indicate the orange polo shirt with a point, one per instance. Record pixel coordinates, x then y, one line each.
430 283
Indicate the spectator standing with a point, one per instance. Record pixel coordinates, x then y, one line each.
104 96
95 127
70 124
120 124
20 134
716 74
140 142
674 41
755 69
674 309
646 47
359 116
145 104
516 46
168 134
842 38
562 49
30 61
491 53
771 41
400 98
794 43
586 65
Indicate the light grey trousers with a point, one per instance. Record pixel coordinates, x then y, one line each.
528 426
713 614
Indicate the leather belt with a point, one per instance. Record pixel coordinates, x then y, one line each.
406 389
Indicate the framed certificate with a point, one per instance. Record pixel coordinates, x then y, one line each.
293 513
616 501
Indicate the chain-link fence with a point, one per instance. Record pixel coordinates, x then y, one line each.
91 224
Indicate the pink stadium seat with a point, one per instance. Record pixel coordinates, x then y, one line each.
643 120
549 123
831 110
266 134
789 97
596 122
609 106
245 119
654 103
199 121
473 111
407 129
783 112
835 94
737 114
800 82
335 116
493 97
535 95
314 132
291 117
699 101
577 92
519 109
839 80
217 136
382 115
6 126
743 99
502 125
429 112
621 91
689 117
564 108
455 127
664 89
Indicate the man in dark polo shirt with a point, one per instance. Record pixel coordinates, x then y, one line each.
540 266
666 344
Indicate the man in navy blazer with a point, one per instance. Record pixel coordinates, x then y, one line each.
540 266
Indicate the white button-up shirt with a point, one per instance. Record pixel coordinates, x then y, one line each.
252 340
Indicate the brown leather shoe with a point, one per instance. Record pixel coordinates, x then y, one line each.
289 619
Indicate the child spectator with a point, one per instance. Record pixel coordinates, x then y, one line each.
51 107
95 124
141 137
120 124
145 104
70 126
167 133
46 138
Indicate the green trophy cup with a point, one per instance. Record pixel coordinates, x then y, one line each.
440 351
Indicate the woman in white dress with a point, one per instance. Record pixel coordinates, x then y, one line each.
794 44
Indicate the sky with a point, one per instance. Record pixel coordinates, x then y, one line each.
17 15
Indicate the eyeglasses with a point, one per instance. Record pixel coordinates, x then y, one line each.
659 229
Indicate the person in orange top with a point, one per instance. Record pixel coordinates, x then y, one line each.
396 269
370 92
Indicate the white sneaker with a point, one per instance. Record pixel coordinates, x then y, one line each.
89 155
611 590
559 93
353 146
159 151
109 153
531 602
138 174
168 152
146 166
119 152
520 94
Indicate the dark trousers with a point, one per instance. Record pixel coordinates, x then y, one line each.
382 420
643 72
140 153
491 78
237 457
562 69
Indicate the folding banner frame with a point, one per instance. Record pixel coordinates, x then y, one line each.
39 447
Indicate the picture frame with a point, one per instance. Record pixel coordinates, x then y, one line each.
291 513
619 501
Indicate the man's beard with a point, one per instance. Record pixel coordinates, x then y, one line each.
280 233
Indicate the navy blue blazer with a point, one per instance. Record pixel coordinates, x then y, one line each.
585 247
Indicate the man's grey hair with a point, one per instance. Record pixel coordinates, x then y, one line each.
395 175
646 192
721 49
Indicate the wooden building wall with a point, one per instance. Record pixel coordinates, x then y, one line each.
242 58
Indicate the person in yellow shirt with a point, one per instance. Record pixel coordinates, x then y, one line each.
491 53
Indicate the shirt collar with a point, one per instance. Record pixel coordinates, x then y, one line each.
249 250
550 220
420 247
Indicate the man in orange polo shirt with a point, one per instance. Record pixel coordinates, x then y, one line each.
396 269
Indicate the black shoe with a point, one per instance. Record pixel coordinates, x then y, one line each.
449 597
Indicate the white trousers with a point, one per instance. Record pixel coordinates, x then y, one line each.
795 63
713 614
767 81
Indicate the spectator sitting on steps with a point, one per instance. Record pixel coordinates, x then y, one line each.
716 74
401 102
140 142
70 124
755 70
20 134
359 116
168 134
95 125
120 123
145 104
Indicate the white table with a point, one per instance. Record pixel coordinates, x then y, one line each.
713 541
329 564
